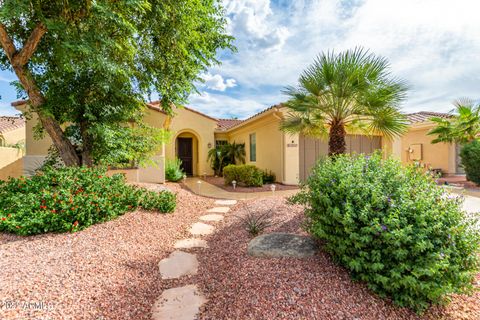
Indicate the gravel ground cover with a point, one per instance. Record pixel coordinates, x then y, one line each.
219 182
241 287
108 271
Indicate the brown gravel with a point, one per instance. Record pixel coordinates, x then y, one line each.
108 271
219 182
241 287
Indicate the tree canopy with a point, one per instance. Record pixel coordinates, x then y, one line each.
91 64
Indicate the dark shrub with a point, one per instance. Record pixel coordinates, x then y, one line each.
70 199
470 154
244 174
173 170
392 227
268 176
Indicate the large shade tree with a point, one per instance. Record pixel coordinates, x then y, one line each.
92 63
352 90
462 127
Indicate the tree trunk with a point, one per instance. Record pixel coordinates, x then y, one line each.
19 60
336 139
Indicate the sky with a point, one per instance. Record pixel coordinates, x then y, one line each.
434 45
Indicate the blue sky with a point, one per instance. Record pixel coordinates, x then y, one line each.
432 44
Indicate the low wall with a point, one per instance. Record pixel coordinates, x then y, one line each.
154 173
14 169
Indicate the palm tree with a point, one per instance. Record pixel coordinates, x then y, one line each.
351 90
463 127
223 155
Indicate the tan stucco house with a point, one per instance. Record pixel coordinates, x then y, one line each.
289 156
12 138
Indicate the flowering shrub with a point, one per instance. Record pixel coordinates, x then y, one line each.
392 227
71 199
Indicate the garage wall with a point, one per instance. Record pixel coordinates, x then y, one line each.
312 150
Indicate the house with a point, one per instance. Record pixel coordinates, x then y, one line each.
12 140
289 156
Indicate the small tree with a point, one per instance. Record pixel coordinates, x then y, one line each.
353 89
462 127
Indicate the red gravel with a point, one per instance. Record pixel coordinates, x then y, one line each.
241 287
219 182
108 271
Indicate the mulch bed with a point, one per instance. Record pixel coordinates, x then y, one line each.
219 182
238 286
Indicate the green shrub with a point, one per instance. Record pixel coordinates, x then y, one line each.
173 170
245 174
163 201
268 176
392 227
70 199
470 154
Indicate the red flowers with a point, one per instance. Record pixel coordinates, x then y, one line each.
3 218
43 207
75 223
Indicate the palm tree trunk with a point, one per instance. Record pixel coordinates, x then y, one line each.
336 139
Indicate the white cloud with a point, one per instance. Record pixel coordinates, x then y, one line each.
432 44
216 82
223 106
253 20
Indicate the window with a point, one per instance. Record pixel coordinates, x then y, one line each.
253 147
220 142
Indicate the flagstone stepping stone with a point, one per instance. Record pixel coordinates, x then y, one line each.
178 264
201 229
190 243
282 245
225 202
219 210
182 303
212 217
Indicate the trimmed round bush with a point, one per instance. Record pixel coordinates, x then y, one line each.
71 199
245 174
470 154
392 227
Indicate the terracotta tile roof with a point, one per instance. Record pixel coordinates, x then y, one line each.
424 116
155 105
11 123
225 124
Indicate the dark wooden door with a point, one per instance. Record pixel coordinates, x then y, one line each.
185 153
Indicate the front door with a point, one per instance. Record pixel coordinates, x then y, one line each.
185 154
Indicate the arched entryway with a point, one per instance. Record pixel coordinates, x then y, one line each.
186 149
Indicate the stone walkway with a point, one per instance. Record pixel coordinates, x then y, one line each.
203 188
183 303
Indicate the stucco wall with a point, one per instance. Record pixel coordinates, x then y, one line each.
14 169
14 136
440 155
188 123
269 140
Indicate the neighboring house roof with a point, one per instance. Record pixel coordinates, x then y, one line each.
10 123
424 116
